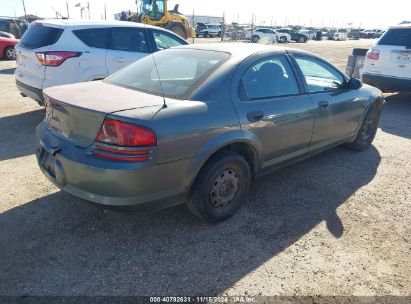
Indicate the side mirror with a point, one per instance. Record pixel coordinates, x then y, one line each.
354 84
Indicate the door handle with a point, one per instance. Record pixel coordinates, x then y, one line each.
323 104
255 116
119 59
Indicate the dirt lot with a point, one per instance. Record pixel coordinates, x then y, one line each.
337 224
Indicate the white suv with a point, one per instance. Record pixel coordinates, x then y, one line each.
56 52
268 34
388 63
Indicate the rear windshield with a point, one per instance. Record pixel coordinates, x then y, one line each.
39 35
180 71
398 37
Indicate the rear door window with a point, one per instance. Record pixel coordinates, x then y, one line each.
397 37
268 78
4 26
129 39
39 35
94 37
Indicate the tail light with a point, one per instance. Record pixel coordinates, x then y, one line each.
373 54
124 138
55 58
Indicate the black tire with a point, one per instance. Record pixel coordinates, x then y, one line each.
178 31
9 53
302 40
367 131
206 35
219 34
283 39
221 187
255 38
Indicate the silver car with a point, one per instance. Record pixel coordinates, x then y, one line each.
195 124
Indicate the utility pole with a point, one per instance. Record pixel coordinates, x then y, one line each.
223 28
193 25
105 12
68 13
25 13
88 9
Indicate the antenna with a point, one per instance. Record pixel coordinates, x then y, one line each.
57 12
159 78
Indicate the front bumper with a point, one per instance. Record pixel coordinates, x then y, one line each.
386 83
32 92
143 185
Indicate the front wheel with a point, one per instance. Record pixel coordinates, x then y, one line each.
255 39
366 133
10 53
220 188
283 39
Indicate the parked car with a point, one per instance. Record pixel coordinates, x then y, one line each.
236 34
369 34
197 124
309 33
388 63
13 26
7 35
7 50
208 30
56 52
353 34
269 34
295 36
340 35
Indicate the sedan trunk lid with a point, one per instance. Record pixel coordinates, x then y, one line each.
76 112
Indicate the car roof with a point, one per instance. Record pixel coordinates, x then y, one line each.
242 50
73 23
401 26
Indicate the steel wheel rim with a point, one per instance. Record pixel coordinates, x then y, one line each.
11 53
224 188
367 129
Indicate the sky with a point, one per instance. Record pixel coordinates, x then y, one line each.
336 13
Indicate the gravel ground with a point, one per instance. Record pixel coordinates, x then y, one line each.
337 224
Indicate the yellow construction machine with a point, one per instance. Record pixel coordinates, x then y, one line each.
155 12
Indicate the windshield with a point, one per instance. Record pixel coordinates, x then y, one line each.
397 37
39 35
180 72
153 8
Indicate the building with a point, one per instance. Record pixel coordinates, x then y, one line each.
204 19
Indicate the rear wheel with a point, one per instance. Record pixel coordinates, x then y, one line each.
10 53
367 132
178 31
255 39
206 35
301 40
220 188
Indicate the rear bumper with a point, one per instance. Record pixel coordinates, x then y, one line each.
386 83
143 186
32 92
